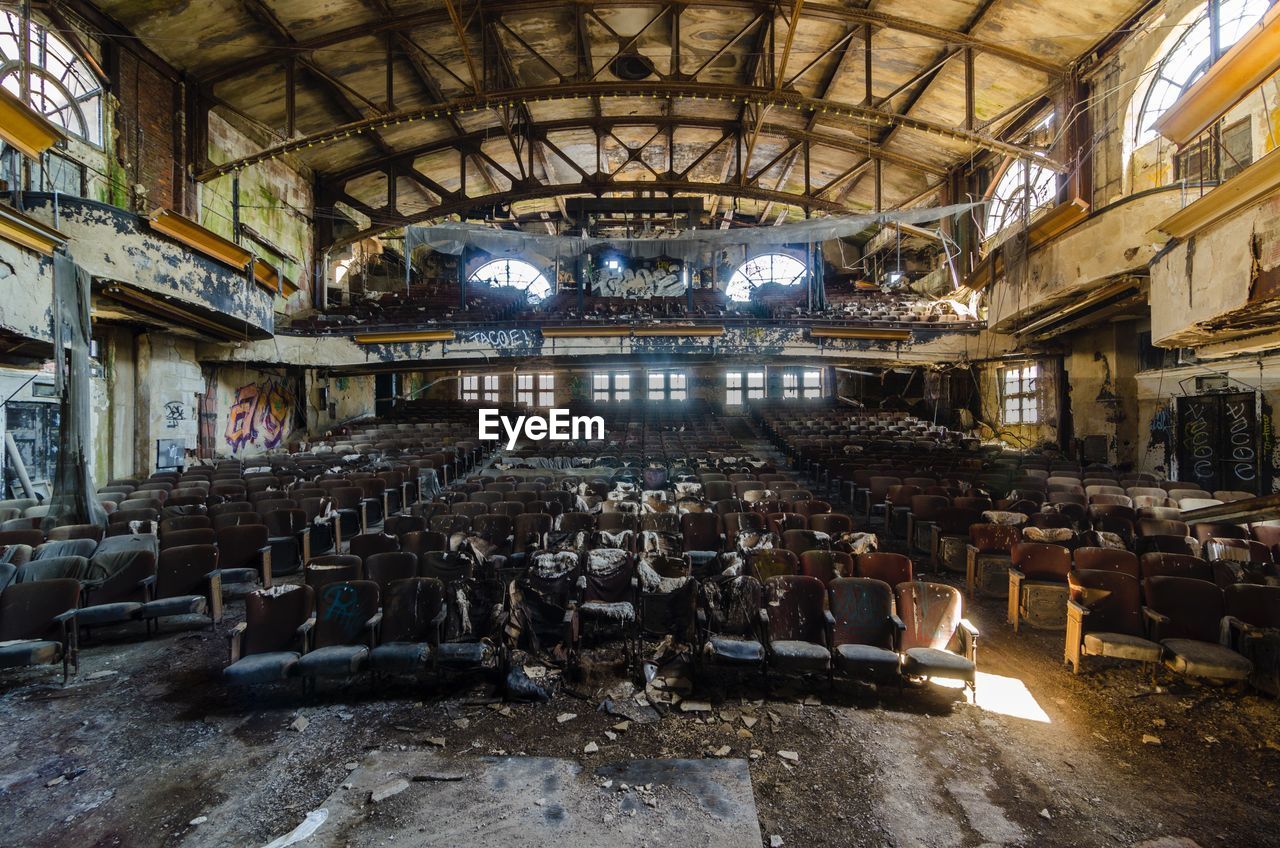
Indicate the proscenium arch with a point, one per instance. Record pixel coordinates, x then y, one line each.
812 11
542 192
751 95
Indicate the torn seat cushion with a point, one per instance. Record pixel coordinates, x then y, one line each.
400 657
622 611
1205 659
932 662
799 656
465 653
867 660
268 667
333 661
730 651
1121 646
102 614
22 652
178 605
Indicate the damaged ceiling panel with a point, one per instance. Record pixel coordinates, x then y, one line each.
778 109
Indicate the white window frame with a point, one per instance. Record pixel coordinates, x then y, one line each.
536 387
610 386
1020 394
670 385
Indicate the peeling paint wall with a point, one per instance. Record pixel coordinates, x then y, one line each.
27 281
257 411
1102 365
1113 242
275 202
112 244
514 343
1209 276
347 397
1157 390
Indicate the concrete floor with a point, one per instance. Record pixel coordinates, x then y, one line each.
146 747
146 740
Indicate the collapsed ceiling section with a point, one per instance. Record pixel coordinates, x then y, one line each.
410 111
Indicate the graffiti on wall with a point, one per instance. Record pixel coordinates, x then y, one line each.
260 416
658 278
174 414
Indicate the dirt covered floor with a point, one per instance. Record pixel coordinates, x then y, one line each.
146 741
146 747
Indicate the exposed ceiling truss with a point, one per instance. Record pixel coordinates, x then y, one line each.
789 107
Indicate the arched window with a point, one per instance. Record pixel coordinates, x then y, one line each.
770 268
1023 184
515 273
1192 54
60 85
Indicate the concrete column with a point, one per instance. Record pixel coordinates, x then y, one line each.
142 438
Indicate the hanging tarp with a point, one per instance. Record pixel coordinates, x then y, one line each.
691 245
74 498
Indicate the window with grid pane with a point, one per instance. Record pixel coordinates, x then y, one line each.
811 383
546 390
524 389
1020 395
733 388
469 388
755 385
611 386
668 385
790 384
491 388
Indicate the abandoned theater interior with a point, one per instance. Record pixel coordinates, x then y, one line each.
713 423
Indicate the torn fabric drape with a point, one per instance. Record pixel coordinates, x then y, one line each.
74 498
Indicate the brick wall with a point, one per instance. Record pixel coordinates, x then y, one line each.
147 129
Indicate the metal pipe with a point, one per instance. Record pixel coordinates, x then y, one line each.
19 467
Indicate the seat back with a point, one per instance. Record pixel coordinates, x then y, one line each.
332 568
1041 562
68 532
834 524
608 572
273 617
1174 565
446 567
772 562
421 541
182 570
701 531
1106 559
1194 607
409 608
994 538
382 568
862 609
27 610
890 568
365 545
800 541
732 605
795 605
343 609
930 612
1257 606
826 565
238 546
1113 598
194 536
